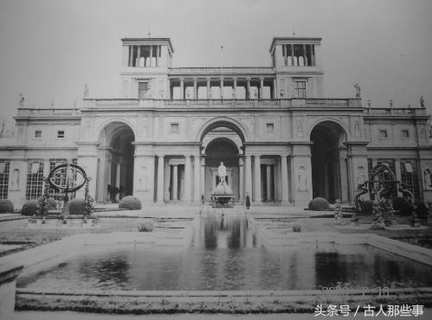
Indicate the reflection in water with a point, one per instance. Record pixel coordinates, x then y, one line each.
225 255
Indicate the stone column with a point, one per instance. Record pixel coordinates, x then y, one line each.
235 89
221 88
284 169
137 61
167 179
257 179
275 94
269 182
151 57
197 178
208 89
157 55
130 62
160 179
304 55
195 94
248 88
117 179
188 180
202 176
261 89
248 175
241 179
175 183
182 95
293 63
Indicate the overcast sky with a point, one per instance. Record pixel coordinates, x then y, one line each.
49 49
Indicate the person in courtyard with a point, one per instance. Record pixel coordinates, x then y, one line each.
248 203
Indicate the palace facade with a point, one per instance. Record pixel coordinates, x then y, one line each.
162 141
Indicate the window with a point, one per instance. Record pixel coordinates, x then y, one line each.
409 176
174 127
143 89
35 179
386 175
405 134
4 179
38 134
383 134
270 127
300 87
60 134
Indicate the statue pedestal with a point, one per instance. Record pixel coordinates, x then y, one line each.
222 196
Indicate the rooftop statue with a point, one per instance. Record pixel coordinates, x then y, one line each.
358 90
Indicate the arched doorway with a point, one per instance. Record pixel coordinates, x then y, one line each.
116 162
222 150
223 141
327 144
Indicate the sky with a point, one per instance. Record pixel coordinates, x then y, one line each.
50 49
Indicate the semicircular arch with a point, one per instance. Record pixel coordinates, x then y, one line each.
332 122
229 123
108 128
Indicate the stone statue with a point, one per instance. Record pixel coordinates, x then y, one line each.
338 212
222 173
86 91
422 101
21 100
377 216
358 90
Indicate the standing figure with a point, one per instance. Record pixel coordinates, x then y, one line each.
422 101
358 90
248 202
86 91
222 173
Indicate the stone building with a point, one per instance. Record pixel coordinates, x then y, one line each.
162 141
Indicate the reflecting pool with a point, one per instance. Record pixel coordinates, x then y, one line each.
225 255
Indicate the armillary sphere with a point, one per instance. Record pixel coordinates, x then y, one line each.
67 177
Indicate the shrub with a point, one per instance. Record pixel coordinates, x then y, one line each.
421 209
146 226
29 208
366 206
402 205
51 203
6 206
296 228
130 203
319 204
77 206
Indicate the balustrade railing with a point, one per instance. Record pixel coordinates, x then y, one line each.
222 70
50 112
393 111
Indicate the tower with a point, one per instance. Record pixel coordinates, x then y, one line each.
145 67
297 63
